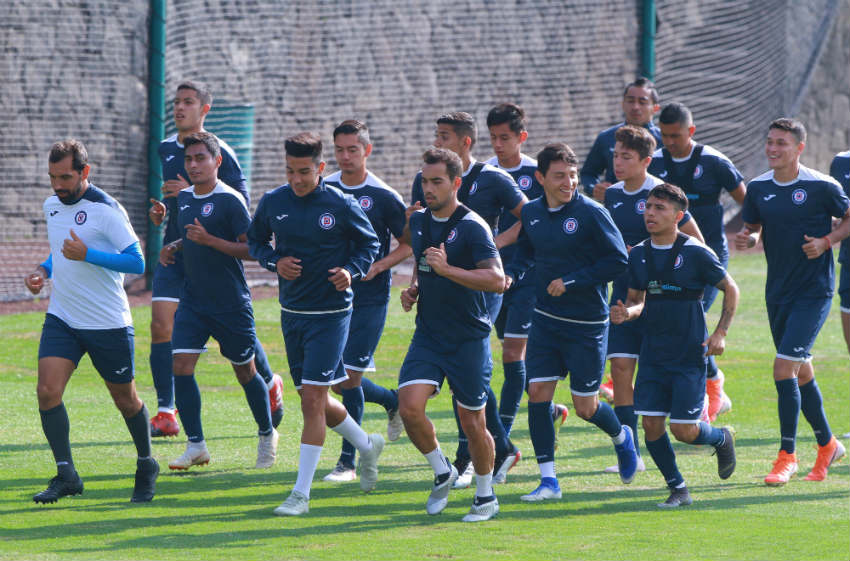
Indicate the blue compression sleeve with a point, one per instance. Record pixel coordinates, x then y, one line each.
48 265
128 261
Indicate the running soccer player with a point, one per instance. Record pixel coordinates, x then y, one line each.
791 208
385 210
576 250
192 102
214 300
640 104
840 171
667 275
92 245
322 242
703 173
456 261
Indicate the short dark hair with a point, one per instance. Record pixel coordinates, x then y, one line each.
304 144
203 91
70 147
454 167
643 82
208 139
636 138
509 113
793 126
353 126
672 193
555 152
462 122
676 113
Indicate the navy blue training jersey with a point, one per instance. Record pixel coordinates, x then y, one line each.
384 208
600 159
325 229
214 281
446 310
787 212
675 327
840 171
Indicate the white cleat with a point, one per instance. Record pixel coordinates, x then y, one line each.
439 497
195 455
369 463
295 504
616 469
267 450
482 512
341 474
725 404
464 480
395 426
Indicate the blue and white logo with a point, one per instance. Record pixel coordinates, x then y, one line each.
327 221
698 171
452 236
474 188
570 225
678 262
207 209
366 202
799 196
524 182
80 217
640 206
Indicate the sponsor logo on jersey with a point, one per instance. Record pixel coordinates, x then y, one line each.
640 206
80 217
184 207
698 171
695 409
452 236
328 373
366 202
121 370
327 221
524 182
768 197
54 212
570 225
617 204
207 209
169 157
799 196
281 216
533 222
474 188
526 325
678 262
799 349
663 173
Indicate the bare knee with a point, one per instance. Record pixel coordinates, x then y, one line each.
653 427
472 422
585 407
513 350
684 432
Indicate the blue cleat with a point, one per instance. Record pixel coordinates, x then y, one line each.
548 489
627 459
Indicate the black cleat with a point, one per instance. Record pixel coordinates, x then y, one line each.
58 488
145 487
679 496
726 454
505 461
277 417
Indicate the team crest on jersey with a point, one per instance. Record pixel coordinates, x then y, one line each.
327 221
698 171
524 182
207 209
640 206
452 236
678 262
570 225
799 196
80 217
474 188
366 202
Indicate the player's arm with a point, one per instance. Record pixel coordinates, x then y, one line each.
130 260
612 261
509 236
748 236
739 193
593 167
365 246
260 237
393 258
166 254
198 234
716 342
815 247
35 280
410 295
487 274
631 310
522 261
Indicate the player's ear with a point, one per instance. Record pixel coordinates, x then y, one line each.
368 150
218 161
205 109
457 182
321 167
523 136
538 176
85 173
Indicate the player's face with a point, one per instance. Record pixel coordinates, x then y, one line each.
189 112
628 164
437 188
506 143
677 138
782 149
303 174
67 183
559 183
350 153
661 215
638 106
200 165
446 137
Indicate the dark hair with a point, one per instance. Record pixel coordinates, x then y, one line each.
636 138
676 113
204 93
454 167
208 139
643 83
793 126
672 193
509 113
462 122
353 126
555 152
70 147
304 144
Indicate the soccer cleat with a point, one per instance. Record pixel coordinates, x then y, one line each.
164 424
464 478
341 473
296 503
395 426
559 417
482 509
784 468
679 496
505 463
193 456
718 401
276 400
267 450
627 456
616 469
606 391
146 472
439 497
703 416
369 463
58 488
726 454
547 490
827 455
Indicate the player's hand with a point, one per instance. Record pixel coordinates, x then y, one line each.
556 288
34 282
435 257
374 270
409 296
509 282
599 191
173 186
156 212
166 254
198 234
715 344
815 247
289 268
619 313
412 208
744 240
340 278
74 248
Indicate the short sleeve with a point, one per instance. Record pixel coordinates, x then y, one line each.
117 228
837 201
637 269
711 269
481 244
395 214
749 210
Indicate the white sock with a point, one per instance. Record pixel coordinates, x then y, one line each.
547 469
483 485
351 431
620 438
202 445
438 461
308 461
165 410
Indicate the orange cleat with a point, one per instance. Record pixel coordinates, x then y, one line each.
276 400
606 391
164 424
827 455
784 468
718 401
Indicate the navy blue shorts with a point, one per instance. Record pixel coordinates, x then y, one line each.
364 334
493 301
676 392
110 350
624 340
844 287
558 347
796 326
467 367
314 345
167 282
514 319
233 330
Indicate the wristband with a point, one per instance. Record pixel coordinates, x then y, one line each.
828 243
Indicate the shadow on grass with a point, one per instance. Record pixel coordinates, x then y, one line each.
11 448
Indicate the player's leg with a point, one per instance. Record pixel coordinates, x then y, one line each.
540 393
718 401
844 302
624 342
352 400
164 301
370 446
273 382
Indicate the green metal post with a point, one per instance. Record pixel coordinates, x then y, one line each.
647 42
156 124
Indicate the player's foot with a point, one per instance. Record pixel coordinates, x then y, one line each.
679 496
58 488
465 472
276 400
784 468
439 497
164 424
616 469
145 487
726 454
547 490
606 391
827 455
267 449
296 503
505 463
195 455
718 401
559 416
627 456
395 426
483 508
369 463
341 473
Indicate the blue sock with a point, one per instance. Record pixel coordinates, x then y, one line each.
261 361
662 454
494 423
511 393
789 412
626 416
605 419
139 426
542 431
257 393
188 398
352 399
163 379
711 367
56 427
708 435
811 403
462 452
373 393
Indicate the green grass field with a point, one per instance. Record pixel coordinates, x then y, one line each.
224 511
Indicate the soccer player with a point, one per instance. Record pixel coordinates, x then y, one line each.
385 210
703 173
576 250
456 261
640 104
840 171
791 208
667 276
215 300
191 105
92 245
322 242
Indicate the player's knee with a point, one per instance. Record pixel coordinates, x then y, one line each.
684 432
473 423
48 396
160 330
513 350
586 408
653 427
410 410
